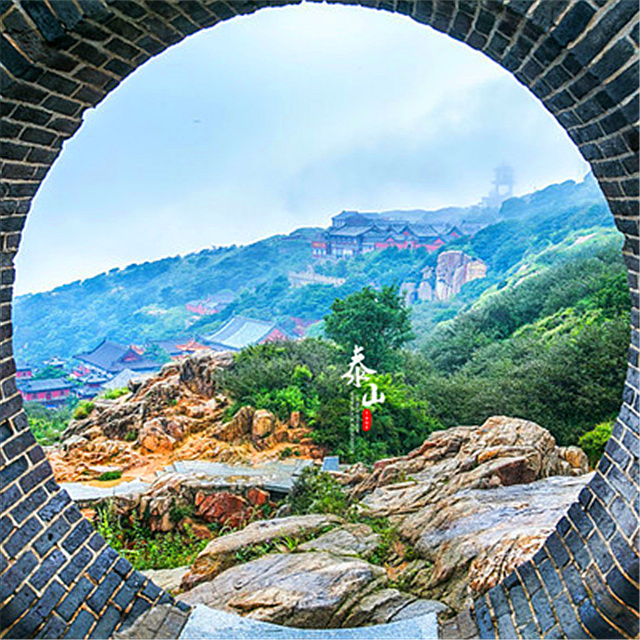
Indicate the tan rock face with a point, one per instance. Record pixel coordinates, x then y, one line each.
474 501
263 424
159 435
501 452
308 590
220 553
177 414
475 538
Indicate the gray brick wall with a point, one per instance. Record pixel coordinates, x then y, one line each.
60 57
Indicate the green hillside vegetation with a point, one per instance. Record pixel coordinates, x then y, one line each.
543 337
145 302
535 228
550 347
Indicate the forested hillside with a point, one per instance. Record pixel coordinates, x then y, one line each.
147 301
549 346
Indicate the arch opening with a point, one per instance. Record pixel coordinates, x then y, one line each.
594 101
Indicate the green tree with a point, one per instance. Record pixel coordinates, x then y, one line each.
49 372
378 321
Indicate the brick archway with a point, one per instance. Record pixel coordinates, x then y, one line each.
60 57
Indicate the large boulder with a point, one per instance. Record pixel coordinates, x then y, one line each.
263 424
348 540
476 537
308 590
502 452
220 554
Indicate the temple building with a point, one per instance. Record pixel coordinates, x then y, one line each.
180 348
353 233
50 392
110 358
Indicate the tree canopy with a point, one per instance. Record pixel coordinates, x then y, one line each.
378 321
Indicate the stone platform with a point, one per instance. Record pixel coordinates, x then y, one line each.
203 623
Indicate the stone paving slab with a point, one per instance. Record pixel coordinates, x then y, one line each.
205 623
81 492
278 475
275 476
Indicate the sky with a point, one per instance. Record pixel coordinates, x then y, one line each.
279 120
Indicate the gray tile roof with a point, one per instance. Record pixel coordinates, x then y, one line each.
240 332
350 231
109 356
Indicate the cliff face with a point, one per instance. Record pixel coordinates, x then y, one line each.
453 270
178 414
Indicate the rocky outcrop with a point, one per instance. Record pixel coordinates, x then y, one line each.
177 500
455 269
220 554
177 414
473 502
502 452
469 505
475 538
464 509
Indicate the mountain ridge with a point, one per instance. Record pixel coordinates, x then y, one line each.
145 301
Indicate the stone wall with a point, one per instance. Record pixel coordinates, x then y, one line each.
60 57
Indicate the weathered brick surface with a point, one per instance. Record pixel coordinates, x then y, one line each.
58 58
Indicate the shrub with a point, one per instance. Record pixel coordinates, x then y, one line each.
144 549
47 425
113 394
316 491
593 442
83 410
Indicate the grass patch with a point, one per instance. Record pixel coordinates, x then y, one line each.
113 394
141 547
109 475
83 410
